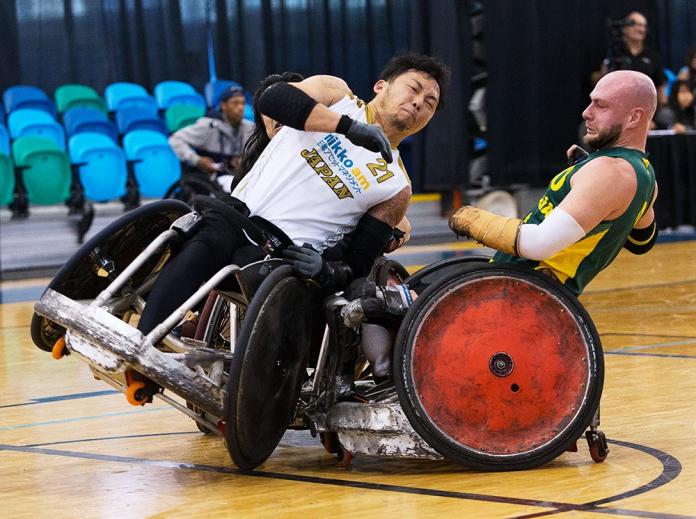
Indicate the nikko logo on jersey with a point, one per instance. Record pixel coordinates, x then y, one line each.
337 156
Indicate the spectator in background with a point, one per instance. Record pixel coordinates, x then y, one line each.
679 114
214 142
688 71
628 51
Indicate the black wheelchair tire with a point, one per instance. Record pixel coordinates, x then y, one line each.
75 279
266 376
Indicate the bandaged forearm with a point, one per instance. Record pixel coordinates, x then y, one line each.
495 231
558 231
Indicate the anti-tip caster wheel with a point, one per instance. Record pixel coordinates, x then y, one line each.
599 449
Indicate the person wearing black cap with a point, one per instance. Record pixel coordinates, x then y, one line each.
215 141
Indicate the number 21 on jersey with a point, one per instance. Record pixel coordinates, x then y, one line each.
380 171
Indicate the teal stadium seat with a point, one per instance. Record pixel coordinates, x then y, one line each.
45 169
7 178
77 96
178 116
156 166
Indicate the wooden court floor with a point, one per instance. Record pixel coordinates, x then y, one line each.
71 447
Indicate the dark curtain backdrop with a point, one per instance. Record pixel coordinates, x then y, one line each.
441 151
540 54
676 24
97 42
540 57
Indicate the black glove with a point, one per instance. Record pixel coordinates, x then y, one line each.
369 136
305 260
309 264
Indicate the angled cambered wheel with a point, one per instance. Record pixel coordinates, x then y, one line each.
97 263
498 367
268 370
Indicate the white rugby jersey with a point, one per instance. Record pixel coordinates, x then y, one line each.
315 186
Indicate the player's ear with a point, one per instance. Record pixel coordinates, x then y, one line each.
379 86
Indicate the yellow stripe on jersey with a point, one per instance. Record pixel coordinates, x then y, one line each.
368 114
641 213
565 263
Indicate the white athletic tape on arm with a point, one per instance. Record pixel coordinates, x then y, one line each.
555 233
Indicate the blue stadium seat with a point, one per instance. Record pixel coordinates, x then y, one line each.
29 121
671 77
4 140
102 166
45 169
129 118
213 90
2 114
24 96
80 120
126 94
156 166
168 93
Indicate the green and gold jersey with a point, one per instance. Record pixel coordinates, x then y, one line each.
577 265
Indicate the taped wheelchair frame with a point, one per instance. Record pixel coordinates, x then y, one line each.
494 367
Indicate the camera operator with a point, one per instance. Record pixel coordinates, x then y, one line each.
628 51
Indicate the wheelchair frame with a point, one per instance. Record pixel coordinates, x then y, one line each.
376 426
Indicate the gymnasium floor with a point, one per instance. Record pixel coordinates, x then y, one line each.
72 447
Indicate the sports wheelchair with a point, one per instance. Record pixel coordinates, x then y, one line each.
494 367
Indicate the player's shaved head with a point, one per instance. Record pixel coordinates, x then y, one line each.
622 105
630 89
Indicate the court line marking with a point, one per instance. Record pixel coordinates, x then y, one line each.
658 345
671 468
639 287
640 354
59 398
80 418
628 334
638 308
107 438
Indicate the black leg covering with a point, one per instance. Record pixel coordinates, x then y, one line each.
210 249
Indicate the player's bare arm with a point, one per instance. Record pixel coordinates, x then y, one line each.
392 211
601 190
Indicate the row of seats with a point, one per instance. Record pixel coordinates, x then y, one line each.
44 170
116 95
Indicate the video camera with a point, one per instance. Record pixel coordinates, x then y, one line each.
617 57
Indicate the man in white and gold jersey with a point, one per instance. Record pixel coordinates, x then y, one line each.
332 168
